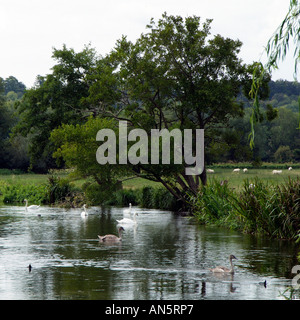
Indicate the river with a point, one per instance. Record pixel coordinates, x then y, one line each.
165 257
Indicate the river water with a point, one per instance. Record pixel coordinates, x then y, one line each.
165 257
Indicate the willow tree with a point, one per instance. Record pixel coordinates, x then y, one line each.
276 49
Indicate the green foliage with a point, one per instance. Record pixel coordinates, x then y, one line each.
57 190
11 84
55 100
213 202
281 131
175 75
283 154
146 197
123 197
10 172
277 48
17 193
99 194
77 145
158 198
260 208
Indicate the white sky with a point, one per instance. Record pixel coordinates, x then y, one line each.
30 29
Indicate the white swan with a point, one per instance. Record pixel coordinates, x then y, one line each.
32 207
84 213
128 221
127 211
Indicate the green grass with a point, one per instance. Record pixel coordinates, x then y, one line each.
236 180
27 178
139 183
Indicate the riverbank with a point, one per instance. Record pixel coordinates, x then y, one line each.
255 201
259 207
62 189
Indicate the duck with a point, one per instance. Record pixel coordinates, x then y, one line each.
112 237
127 211
221 269
32 207
128 221
84 213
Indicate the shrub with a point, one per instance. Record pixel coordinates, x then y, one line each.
58 190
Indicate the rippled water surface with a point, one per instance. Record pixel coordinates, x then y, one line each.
164 257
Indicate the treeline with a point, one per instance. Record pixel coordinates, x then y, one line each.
13 149
275 141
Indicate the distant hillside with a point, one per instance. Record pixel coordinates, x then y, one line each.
284 94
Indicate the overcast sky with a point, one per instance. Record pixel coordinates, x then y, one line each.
30 29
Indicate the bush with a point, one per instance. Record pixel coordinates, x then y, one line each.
58 190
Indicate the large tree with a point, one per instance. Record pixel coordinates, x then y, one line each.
176 75
54 101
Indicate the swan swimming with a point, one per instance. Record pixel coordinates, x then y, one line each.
128 221
127 211
32 207
112 237
221 269
84 213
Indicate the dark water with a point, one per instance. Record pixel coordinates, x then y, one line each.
164 257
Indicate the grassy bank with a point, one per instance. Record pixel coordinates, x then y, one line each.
257 201
257 207
61 189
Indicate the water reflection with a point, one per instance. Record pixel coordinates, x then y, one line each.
163 257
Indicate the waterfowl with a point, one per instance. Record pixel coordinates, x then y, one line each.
127 211
32 207
263 283
221 269
112 237
84 213
128 221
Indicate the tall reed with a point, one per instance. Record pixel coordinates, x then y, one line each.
259 208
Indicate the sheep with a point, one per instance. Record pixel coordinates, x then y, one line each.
277 171
210 171
236 170
290 168
245 170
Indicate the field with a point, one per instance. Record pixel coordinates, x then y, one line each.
235 180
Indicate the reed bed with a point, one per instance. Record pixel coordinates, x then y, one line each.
258 208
